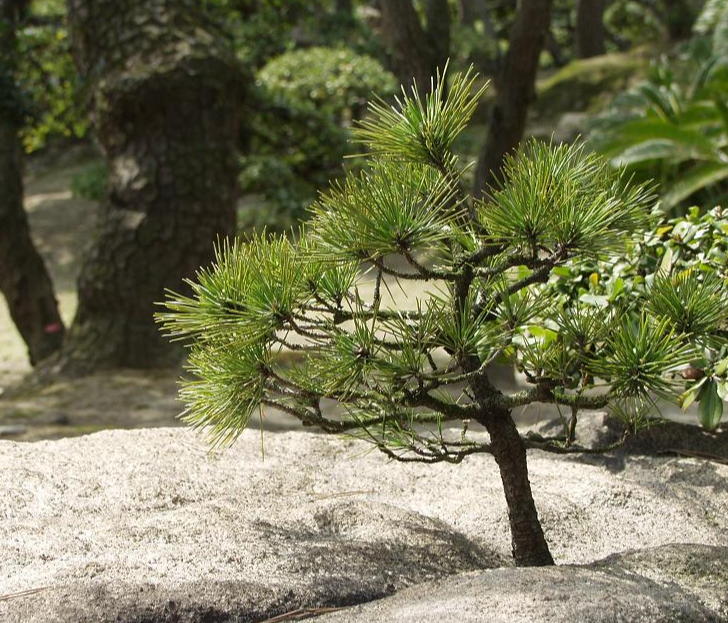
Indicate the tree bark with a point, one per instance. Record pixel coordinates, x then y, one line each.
590 33
165 92
438 31
24 278
416 53
508 115
528 542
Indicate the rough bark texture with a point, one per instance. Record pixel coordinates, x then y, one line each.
528 542
165 94
24 279
508 116
590 33
416 52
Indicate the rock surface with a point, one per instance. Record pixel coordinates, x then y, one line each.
611 591
147 525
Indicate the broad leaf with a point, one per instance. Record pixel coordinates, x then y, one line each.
710 408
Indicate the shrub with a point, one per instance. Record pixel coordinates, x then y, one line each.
674 127
404 377
683 249
91 183
304 101
333 80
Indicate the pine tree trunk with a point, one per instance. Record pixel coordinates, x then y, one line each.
416 53
517 84
24 279
165 95
589 34
527 539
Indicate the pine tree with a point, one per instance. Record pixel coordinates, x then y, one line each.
410 380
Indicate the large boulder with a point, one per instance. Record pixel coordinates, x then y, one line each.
148 525
611 591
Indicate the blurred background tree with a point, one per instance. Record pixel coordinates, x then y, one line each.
24 279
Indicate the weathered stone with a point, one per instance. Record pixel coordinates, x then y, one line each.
119 524
606 593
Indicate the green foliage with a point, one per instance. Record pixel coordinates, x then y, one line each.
91 183
398 373
674 128
304 102
713 22
332 80
261 30
49 81
564 198
678 271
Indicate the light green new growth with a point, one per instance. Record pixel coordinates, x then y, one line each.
399 374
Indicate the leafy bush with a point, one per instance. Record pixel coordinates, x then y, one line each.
685 250
305 99
674 128
91 183
404 377
332 80
49 82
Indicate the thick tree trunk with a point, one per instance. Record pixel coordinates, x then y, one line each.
527 539
416 53
590 33
165 95
508 116
24 279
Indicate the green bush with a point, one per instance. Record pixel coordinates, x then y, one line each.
335 81
304 102
674 128
50 82
691 247
91 183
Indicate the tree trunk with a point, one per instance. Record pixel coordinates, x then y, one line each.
527 539
438 31
165 95
554 49
590 34
24 279
679 18
344 7
508 115
416 53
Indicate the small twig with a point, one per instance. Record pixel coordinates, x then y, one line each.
303 613
31 591
342 494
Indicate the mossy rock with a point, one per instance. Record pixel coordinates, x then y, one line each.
588 84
